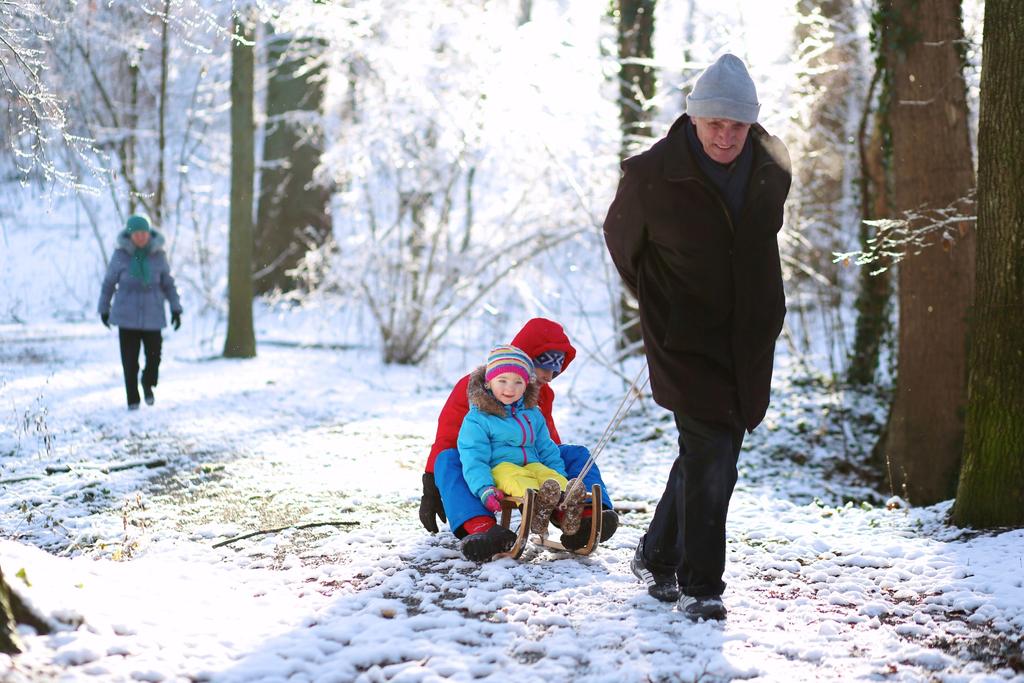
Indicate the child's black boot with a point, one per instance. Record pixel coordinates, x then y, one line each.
481 547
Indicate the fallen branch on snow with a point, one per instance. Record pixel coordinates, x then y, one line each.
15 480
106 469
282 528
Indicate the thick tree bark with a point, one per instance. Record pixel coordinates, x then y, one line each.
826 105
9 642
132 123
637 81
292 214
820 160
161 166
932 168
14 611
874 294
241 338
525 12
991 491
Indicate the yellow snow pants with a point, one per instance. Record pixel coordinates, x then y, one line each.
515 479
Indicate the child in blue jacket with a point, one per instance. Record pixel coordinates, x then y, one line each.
504 442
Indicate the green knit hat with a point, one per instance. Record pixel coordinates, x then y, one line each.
137 223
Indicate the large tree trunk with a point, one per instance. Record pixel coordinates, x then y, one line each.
829 68
132 125
241 338
14 611
820 159
525 12
9 643
292 215
874 293
991 491
637 81
159 198
932 168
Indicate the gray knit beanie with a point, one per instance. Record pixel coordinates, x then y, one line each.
724 91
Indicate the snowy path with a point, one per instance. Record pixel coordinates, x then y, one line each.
818 590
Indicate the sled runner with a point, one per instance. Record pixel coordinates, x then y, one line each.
526 506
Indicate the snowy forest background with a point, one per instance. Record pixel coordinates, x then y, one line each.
422 177
432 138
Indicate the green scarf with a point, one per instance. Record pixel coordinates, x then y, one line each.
140 264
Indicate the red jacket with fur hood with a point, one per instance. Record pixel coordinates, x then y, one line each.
537 336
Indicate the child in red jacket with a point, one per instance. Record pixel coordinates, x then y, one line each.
445 493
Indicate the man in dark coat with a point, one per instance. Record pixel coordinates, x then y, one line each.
692 231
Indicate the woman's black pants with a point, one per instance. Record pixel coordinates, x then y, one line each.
131 340
687 533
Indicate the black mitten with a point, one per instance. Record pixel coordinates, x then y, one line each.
431 506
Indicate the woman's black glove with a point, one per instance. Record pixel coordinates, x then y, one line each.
176 320
430 504
105 317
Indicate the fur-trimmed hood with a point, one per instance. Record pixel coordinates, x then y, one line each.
156 242
493 433
481 397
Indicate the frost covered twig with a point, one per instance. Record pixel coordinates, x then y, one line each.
896 238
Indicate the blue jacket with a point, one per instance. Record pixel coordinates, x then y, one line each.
138 306
492 433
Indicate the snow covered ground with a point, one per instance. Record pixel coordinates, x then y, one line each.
826 581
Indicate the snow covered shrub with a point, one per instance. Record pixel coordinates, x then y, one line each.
456 139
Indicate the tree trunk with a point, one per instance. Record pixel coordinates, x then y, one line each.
14 611
241 338
874 295
525 12
636 90
829 74
932 168
820 161
9 643
132 125
161 167
292 215
991 491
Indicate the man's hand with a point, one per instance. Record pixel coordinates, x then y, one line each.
105 319
430 504
176 320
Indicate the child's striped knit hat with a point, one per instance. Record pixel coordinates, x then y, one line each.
508 359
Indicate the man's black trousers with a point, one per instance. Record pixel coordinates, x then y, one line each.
131 340
687 533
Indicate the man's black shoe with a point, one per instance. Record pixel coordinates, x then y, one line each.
708 608
147 392
609 523
660 585
483 546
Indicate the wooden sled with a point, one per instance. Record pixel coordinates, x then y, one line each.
527 504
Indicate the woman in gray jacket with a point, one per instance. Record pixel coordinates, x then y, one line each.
139 279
